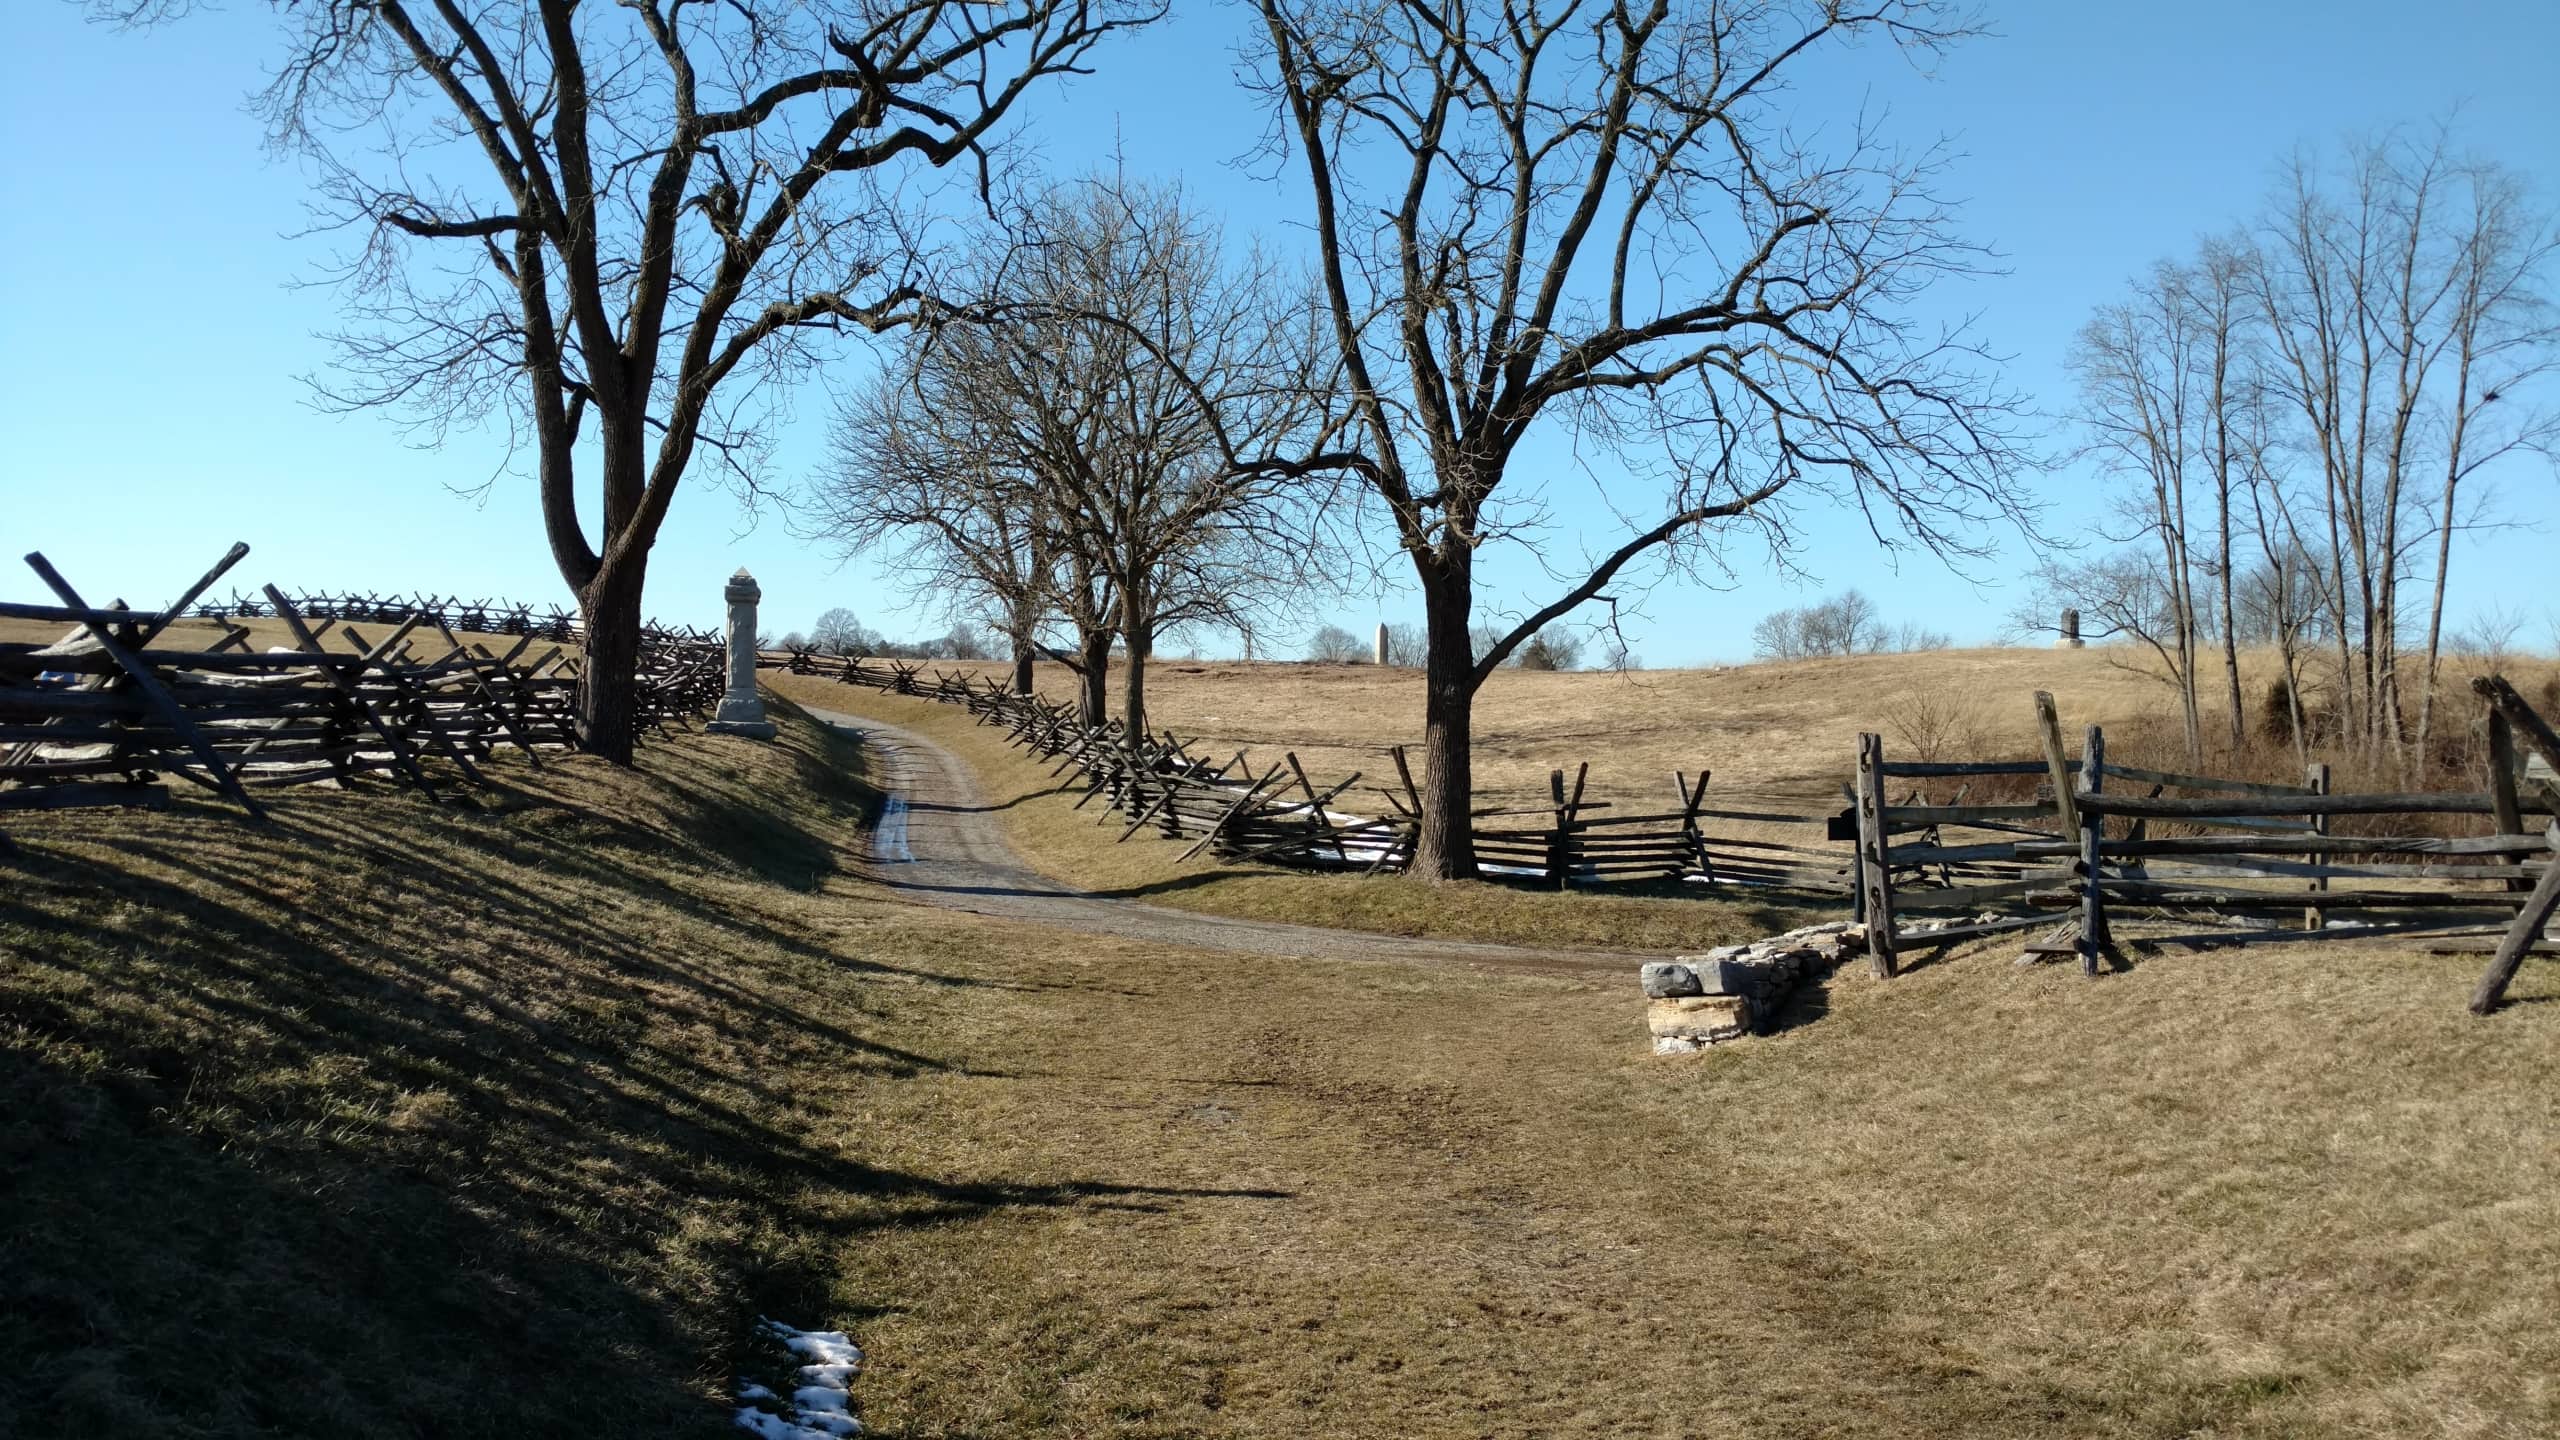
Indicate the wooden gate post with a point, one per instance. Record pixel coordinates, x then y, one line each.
2094 937
1874 877
2502 783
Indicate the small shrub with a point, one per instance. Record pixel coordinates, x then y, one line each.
1931 725
1549 650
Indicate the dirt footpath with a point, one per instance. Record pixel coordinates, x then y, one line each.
940 842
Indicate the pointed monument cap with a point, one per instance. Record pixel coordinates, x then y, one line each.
742 588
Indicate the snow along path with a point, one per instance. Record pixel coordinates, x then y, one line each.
946 847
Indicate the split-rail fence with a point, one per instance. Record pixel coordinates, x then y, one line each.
1274 811
2206 845
101 715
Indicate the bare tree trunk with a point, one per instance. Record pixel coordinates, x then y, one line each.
2297 718
609 685
1446 846
1022 622
2231 639
1093 677
2225 561
2435 615
1137 642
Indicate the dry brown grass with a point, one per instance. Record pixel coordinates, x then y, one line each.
1974 1202
505 1121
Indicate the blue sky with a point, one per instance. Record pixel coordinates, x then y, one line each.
154 329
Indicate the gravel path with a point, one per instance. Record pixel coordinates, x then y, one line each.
940 842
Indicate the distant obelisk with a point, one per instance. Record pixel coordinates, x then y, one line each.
2070 631
1382 642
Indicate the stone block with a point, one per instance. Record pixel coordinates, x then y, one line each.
1736 975
1698 1017
1666 978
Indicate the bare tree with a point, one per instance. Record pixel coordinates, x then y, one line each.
2135 361
841 632
1333 645
2505 342
933 493
620 226
1846 624
2379 283
1069 450
1125 313
1598 214
2229 388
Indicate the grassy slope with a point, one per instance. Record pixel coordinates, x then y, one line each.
503 1123
348 1120
1076 846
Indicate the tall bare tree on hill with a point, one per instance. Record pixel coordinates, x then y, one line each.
2135 361
2377 281
621 225
2504 336
1598 215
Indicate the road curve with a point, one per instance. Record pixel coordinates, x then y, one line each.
939 843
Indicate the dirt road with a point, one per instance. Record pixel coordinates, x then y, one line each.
939 842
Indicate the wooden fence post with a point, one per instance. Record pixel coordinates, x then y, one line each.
1562 852
2094 938
2317 778
1875 877
2049 729
2502 781
2518 943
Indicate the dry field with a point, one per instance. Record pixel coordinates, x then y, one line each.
1775 731
507 1119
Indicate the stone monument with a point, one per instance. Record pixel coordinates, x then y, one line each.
2070 638
741 713
1382 642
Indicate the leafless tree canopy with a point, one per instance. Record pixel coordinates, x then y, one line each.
1333 645
1600 212
1846 624
1072 447
620 226
2307 408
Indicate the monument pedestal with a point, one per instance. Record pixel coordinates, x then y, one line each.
741 710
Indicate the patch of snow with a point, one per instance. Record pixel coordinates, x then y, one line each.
821 1403
889 842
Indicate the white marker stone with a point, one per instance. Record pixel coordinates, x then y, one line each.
741 713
